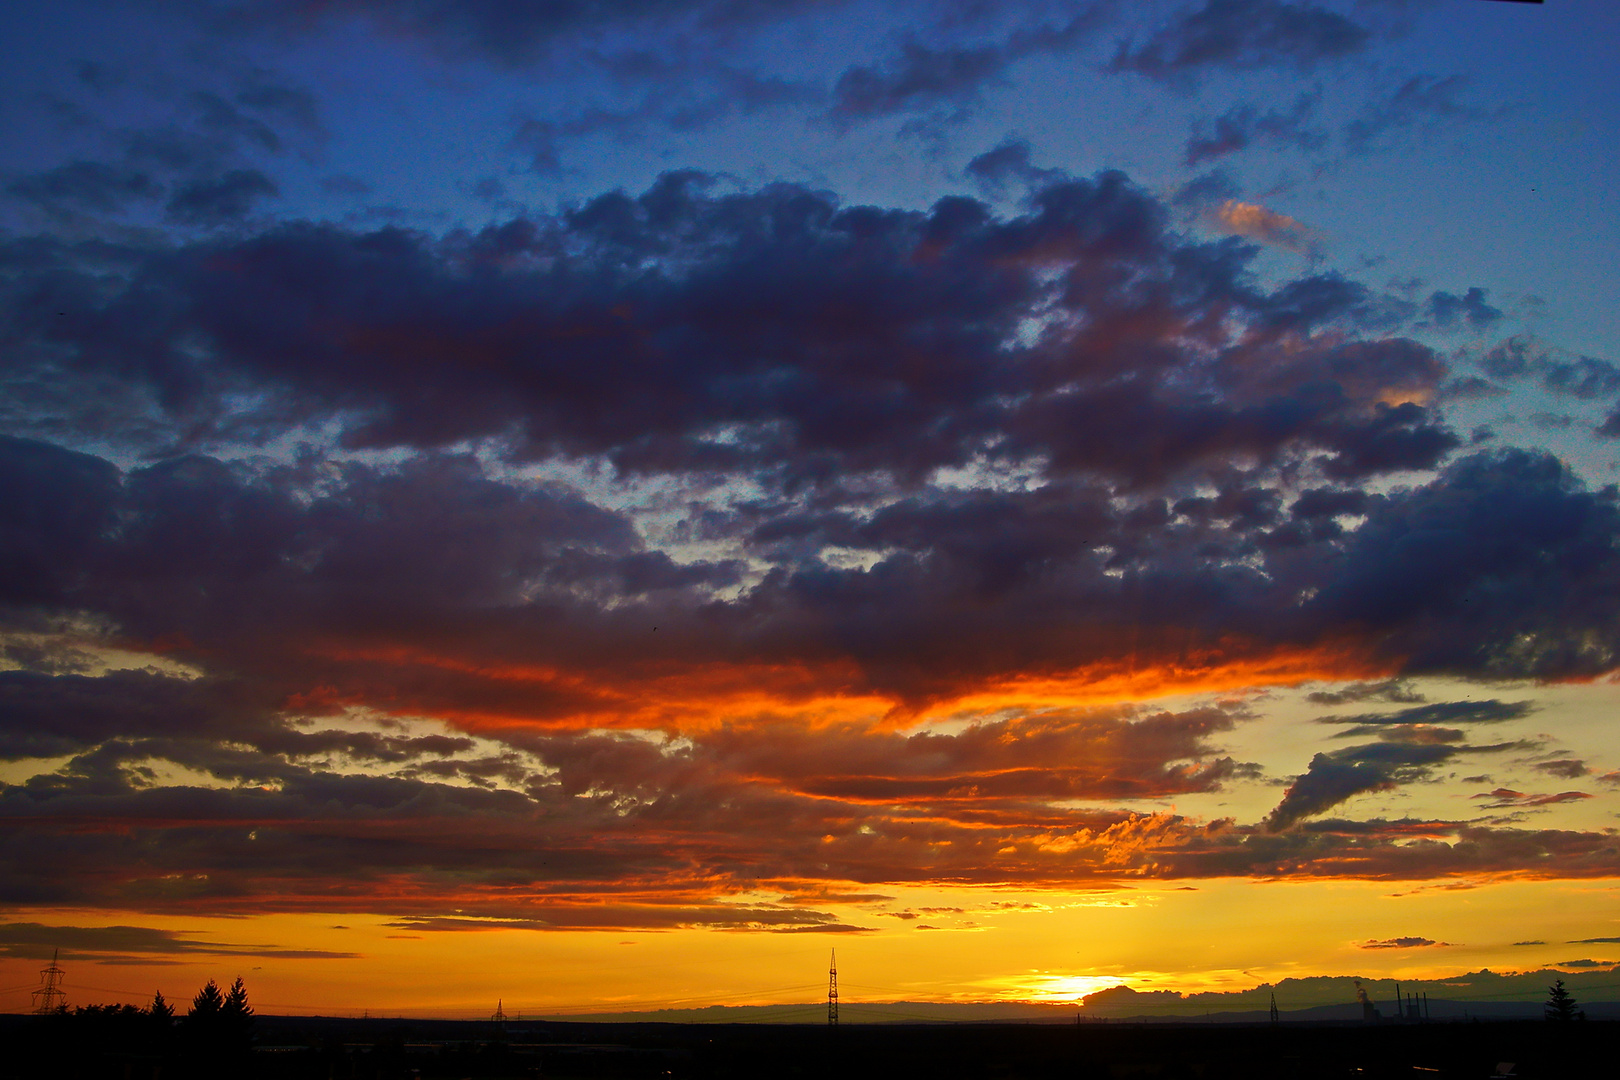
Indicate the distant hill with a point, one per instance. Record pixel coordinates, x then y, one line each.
889 1012
1322 999
912 1012
1481 993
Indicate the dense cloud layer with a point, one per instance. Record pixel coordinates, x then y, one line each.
708 540
697 331
433 589
408 577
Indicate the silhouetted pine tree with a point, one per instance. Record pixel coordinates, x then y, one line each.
205 1007
202 1031
160 1034
236 1018
1561 1004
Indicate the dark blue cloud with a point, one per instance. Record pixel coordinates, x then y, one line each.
1241 34
509 31
923 76
200 154
220 200
1583 377
1244 125
1505 564
1419 99
55 505
1335 777
1447 309
86 185
1008 164
919 76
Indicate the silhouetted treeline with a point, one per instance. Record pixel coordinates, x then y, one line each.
329 1048
215 1034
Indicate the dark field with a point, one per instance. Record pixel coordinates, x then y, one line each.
338 1049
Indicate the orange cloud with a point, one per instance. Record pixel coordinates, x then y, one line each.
661 693
1255 222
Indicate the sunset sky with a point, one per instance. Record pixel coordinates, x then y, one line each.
596 503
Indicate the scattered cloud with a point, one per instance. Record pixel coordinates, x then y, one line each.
514 34
1332 778
1418 99
920 76
1487 711
1405 943
221 200
997 170
1523 358
1392 690
1447 310
1503 798
1244 125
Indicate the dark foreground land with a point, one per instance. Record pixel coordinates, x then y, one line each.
337 1049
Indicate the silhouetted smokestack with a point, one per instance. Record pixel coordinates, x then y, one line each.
1368 1012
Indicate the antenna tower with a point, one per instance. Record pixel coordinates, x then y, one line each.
50 996
1274 1014
832 991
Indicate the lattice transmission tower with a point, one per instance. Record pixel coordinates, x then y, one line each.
832 991
50 996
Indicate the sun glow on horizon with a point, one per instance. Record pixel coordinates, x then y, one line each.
1061 989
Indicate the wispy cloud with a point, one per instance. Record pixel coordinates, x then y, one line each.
38 941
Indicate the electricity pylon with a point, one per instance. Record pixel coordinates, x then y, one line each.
50 996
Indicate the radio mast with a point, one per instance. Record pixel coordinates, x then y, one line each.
832 991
